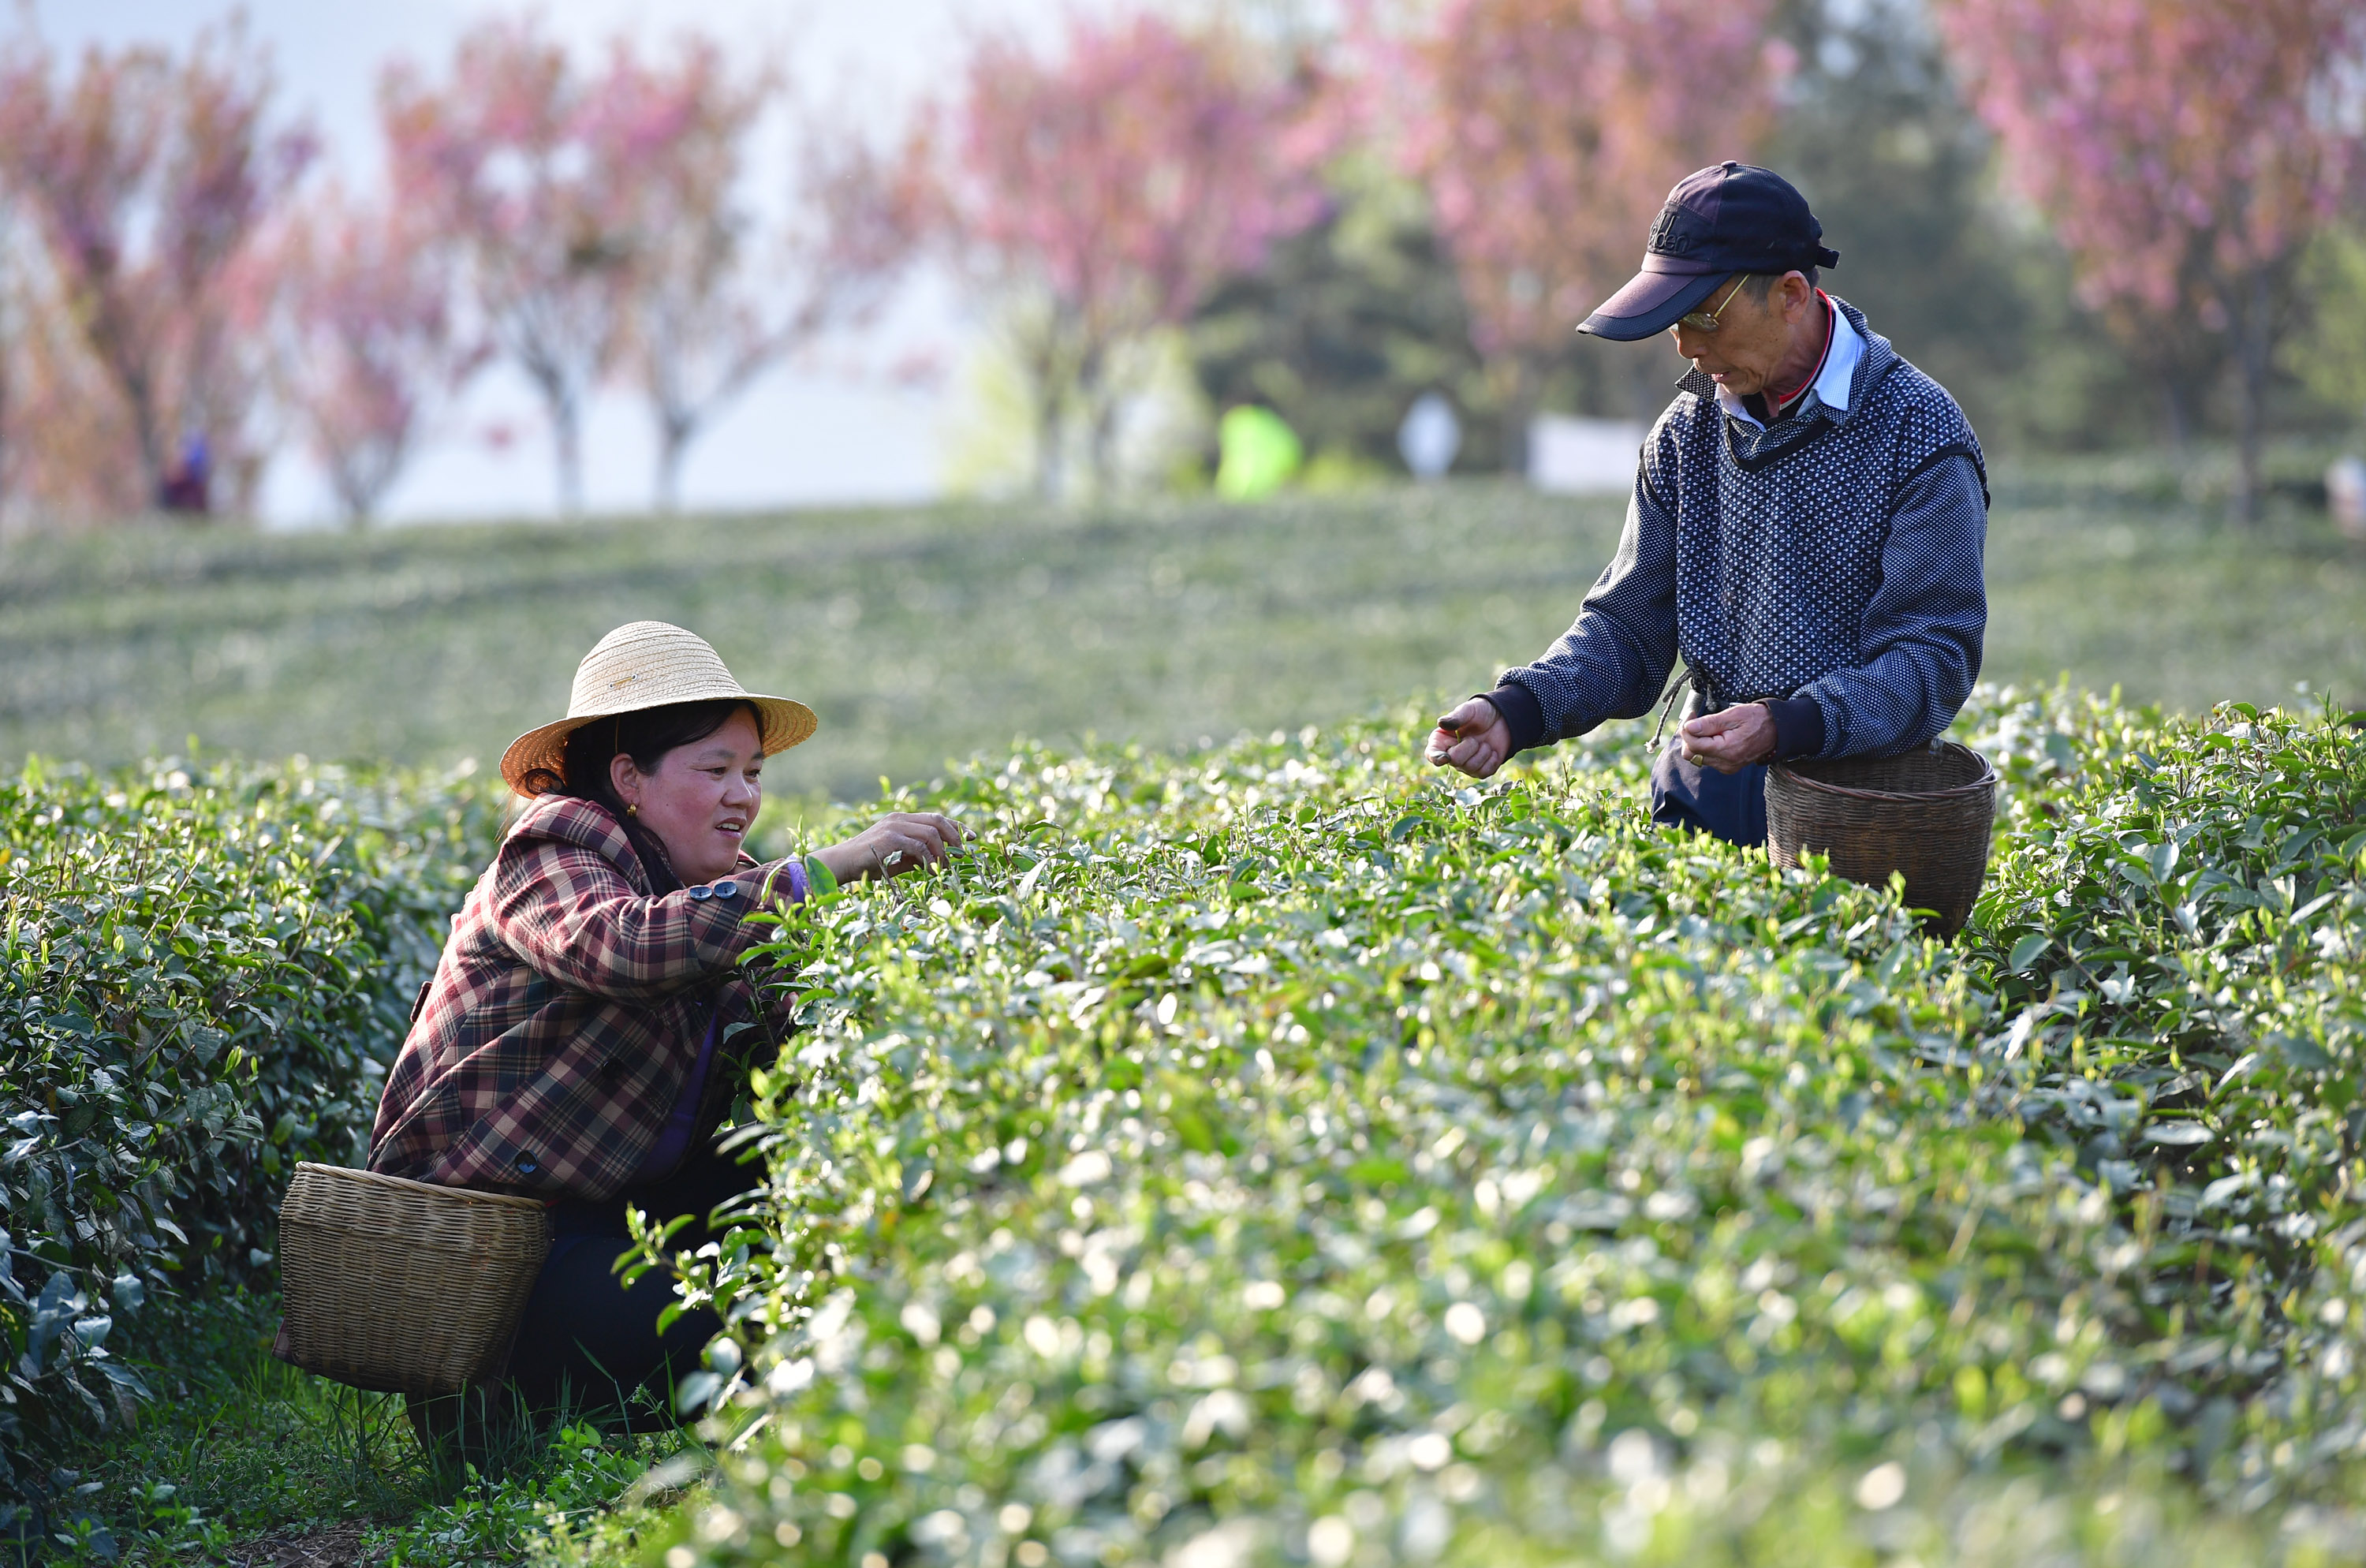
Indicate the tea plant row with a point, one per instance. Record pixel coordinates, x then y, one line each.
204 968
1275 1154
1271 1152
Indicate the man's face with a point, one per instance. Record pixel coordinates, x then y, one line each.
1753 335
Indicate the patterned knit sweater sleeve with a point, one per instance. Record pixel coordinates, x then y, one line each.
1615 659
1923 628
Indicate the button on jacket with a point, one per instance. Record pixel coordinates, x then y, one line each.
567 1012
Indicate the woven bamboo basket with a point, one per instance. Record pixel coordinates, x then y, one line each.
1927 814
401 1287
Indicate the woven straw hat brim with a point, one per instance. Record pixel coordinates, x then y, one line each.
649 664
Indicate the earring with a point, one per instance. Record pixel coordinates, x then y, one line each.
633 810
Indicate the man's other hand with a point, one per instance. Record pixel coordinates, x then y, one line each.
1730 739
1472 737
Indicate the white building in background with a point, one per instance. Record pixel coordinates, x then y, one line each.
1583 456
1429 437
2345 494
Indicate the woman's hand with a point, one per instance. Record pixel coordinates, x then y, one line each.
902 841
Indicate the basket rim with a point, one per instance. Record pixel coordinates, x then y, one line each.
404 1184
1986 781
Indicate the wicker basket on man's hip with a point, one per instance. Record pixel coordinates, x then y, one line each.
1926 814
401 1287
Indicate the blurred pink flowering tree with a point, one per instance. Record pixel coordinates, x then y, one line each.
1106 189
607 231
504 157
67 452
712 298
364 304
2185 152
146 177
1548 133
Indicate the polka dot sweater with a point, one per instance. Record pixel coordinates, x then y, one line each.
1833 558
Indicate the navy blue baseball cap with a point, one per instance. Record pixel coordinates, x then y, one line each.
1725 219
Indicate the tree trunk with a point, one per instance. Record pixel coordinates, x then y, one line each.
1515 406
562 401
2178 411
1044 411
8 318
675 431
1098 403
1106 411
1045 404
151 440
353 494
2254 336
567 441
101 334
7 358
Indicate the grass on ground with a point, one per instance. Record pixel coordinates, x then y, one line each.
247 1461
926 634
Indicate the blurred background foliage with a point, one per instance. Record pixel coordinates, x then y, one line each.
2323 358
925 633
2104 228
1352 320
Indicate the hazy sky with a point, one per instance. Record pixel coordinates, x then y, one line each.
805 434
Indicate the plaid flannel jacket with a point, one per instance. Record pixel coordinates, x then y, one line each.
567 1014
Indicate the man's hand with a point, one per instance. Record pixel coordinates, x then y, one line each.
1472 737
1730 739
901 842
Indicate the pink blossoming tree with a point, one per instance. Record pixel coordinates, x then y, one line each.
714 296
1104 189
364 304
504 156
2185 152
1548 133
146 177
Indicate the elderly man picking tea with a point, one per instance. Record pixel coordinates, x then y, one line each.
1806 529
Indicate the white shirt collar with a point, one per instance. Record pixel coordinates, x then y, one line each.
1831 384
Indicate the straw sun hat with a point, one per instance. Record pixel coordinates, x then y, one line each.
645 665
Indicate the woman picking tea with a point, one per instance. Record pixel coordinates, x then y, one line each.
582 1036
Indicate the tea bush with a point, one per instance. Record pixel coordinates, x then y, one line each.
204 968
1277 1155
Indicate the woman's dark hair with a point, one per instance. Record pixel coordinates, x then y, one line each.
645 736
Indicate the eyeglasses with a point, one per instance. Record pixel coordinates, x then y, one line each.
1706 321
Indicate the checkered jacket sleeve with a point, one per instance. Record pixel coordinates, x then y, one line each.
567 910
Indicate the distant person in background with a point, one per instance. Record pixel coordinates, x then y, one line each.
586 1032
1806 529
188 488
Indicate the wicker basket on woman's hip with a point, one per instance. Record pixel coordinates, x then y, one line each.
401 1287
1926 814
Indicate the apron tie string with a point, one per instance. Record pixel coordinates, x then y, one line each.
1668 703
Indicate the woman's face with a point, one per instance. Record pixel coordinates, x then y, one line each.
701 799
